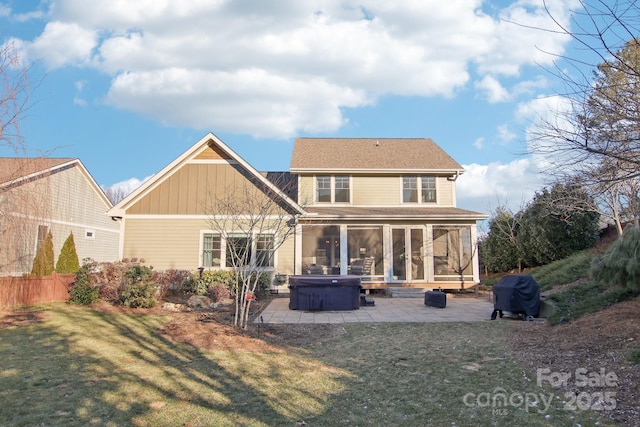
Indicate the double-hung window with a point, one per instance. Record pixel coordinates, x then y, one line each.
264 250
211 250
333 189
419 189
428 189
237 250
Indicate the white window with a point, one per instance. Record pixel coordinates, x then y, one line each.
237 250
425 186
333 189
211 244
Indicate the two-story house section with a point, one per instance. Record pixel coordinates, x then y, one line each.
384 209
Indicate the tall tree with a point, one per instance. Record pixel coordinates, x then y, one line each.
44 260
594 136
501 250
68 262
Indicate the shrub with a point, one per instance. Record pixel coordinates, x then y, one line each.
139 295
210 278
264 282
171 281
68 260
82 291
140 291
218 292
43 261
620 264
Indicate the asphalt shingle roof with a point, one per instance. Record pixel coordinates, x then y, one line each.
370 154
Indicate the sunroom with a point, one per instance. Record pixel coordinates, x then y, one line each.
391 254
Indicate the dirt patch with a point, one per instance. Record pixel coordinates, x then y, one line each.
8 318
602 340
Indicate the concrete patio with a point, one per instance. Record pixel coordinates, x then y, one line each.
459 309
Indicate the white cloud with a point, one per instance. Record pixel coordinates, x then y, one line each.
273 69
484 187
127 186
492 89
505 135
62 44
479 143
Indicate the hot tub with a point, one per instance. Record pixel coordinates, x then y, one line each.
324 293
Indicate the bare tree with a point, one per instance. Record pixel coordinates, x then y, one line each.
115 194
20 200
252 221
593 137
14 98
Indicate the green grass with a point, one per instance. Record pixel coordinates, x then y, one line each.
563 271
585 298
81 367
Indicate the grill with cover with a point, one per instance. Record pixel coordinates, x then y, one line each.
518 294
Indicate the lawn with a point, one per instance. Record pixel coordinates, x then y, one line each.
79 367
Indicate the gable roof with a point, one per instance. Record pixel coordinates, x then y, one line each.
371 155
209 141
15 171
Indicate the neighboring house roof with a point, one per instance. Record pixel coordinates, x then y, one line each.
371 155
15 171
208 140
433 213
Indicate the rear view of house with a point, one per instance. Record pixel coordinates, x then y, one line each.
42 195
383 209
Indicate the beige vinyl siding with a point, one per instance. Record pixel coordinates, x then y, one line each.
286 256
376 190
164 243
306 188
192 189
174 243
445 188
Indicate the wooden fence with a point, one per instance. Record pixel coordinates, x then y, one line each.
21 291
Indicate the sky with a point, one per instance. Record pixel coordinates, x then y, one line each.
127 86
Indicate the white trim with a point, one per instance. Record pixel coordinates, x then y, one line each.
223 248
355 171
119 210
199 217
332 191
60 222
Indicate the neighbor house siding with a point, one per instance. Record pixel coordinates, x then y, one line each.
66 201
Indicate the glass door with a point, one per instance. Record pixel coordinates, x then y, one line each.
399 254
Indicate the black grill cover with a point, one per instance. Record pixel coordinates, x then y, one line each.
517 293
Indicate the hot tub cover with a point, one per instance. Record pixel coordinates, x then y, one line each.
327 292
517 293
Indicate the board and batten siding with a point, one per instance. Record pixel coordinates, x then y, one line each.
193 190
377 190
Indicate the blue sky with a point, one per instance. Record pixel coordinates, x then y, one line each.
128 86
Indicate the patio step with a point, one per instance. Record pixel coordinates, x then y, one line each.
396 292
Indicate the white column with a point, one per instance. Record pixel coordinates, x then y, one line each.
429 255
344 250
474 251
297 250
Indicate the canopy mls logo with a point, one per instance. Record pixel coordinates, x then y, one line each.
600 400
597 398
